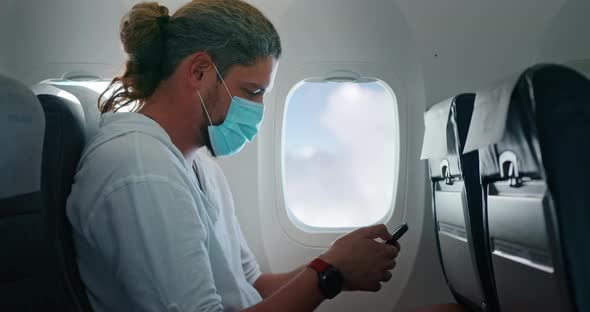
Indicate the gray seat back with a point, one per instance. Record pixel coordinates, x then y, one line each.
457 203
43 138
526 226
29 280
562 99
65 139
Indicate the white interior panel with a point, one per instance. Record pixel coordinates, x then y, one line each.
464 45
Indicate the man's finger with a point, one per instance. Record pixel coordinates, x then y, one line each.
375 287
386 276
375 231
390 251
391 265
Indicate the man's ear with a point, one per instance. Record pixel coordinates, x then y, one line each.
198 63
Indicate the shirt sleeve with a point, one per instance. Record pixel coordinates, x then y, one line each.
150 233
249 263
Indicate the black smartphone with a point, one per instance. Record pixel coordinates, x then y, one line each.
398 234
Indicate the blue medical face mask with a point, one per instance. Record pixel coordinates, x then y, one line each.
240 126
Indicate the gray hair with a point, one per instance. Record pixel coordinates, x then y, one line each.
230 31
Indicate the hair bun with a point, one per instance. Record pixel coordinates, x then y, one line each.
141 26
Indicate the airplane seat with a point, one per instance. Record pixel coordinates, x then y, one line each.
566 127
27 277
87 98
89 101
461 114
531 132
43 138
64 141
457 203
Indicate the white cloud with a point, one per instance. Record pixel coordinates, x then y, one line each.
306 152
354 185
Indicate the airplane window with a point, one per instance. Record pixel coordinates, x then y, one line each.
339 152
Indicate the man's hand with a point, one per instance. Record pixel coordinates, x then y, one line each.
363 262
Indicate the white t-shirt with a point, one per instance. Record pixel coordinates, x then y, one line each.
147 237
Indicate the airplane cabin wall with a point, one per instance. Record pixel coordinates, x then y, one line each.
49 38
465 45
432 50
569 29
6 37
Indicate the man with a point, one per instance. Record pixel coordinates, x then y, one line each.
153 220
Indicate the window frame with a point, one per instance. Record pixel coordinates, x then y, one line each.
322 237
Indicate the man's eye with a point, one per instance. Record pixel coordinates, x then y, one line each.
253 92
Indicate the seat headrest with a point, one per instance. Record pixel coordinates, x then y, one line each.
490 112
445 123
89 101
22 129
46 89
85 95
62 102
504 125
443 138
435 142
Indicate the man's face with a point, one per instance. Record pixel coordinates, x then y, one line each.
250 82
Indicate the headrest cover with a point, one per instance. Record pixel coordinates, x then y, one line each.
435 133
490 112
22 131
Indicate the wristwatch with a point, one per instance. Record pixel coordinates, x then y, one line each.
330 279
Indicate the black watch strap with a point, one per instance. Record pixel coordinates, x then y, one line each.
329 278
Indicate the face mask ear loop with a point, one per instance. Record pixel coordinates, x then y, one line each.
205 108
223 81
